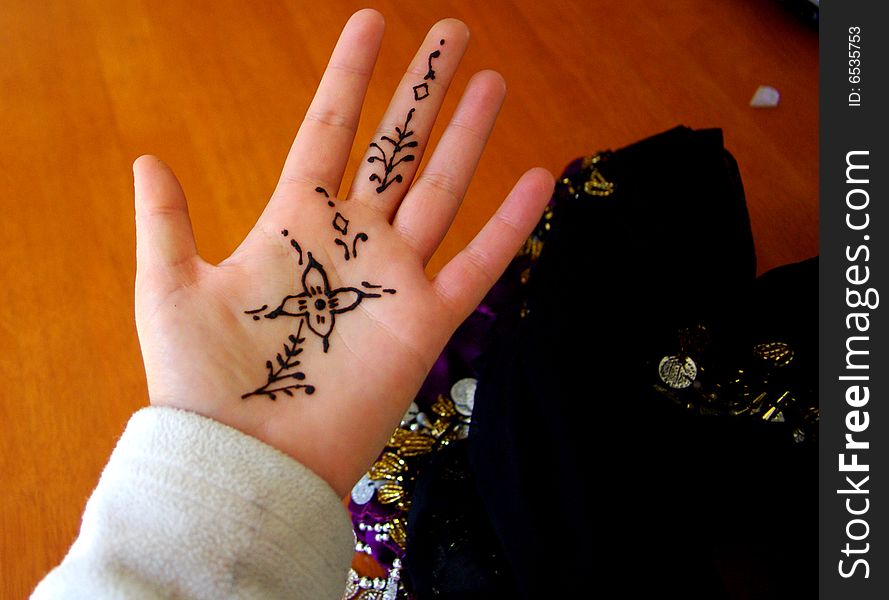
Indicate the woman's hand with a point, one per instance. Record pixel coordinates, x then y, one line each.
318 331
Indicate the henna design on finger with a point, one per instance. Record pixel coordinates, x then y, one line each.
431 73
421 90
389 160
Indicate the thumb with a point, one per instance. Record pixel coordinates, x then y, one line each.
164 239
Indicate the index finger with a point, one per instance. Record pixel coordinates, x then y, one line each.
320 151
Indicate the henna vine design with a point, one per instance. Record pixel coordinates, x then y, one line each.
389 160
316 307
280 379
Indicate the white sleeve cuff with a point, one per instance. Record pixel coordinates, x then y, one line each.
190 508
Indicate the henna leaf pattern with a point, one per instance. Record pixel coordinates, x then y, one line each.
392 159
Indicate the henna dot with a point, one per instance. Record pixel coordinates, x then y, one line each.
310 389
329 203
284 232
441 43
320 304
255 318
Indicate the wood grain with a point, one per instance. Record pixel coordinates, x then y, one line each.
218 89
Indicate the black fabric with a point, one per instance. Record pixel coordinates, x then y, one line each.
454 552
587 476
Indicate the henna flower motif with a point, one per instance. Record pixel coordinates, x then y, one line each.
318 305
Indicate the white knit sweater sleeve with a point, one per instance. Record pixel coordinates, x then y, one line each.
190 508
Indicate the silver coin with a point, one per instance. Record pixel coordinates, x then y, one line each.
678 372
364 490
463 395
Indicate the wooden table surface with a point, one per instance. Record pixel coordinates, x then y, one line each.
218 90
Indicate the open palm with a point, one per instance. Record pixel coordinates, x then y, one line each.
317 332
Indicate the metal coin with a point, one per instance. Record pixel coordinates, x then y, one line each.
678 372
463 395
364 490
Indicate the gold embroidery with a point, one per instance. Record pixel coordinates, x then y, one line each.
755 392
778 354
411 443
444 407
596 184
532 247
389 466
398 531
389 493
